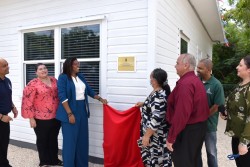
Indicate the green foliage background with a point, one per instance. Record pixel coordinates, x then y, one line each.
237 27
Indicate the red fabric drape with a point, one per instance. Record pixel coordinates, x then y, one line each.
121 132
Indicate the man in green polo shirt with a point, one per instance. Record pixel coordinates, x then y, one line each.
215 96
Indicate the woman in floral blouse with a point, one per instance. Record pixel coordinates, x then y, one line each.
238 110
154 128
39 104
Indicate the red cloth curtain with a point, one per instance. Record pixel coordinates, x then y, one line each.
121 132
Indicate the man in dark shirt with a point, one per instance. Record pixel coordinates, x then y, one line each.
6 105
187 113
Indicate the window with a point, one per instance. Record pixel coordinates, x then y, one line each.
82 42
183 42
38 46
91 73
184 46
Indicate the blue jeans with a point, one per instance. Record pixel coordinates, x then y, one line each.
210 143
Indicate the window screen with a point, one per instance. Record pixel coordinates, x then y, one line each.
39 45
184 46
90 70
81 42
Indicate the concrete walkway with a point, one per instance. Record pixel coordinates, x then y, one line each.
21 157
223 148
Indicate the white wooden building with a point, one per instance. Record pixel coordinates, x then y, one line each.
98 32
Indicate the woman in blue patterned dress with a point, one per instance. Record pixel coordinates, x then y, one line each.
154 128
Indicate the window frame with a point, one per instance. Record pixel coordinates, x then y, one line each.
57 60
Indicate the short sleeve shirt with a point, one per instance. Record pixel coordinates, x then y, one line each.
215 95
5 96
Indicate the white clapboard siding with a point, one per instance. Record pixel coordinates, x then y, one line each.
126 91
172 17
131 14
140 57
139 74
126 34
129 31
7 37
130 28
138 48
139 66
128 40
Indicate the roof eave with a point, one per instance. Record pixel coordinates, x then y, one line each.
208 13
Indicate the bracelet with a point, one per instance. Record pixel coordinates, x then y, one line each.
99 99
69 114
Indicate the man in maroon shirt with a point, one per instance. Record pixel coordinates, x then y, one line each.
187 113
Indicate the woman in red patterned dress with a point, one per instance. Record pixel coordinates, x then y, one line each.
39 104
